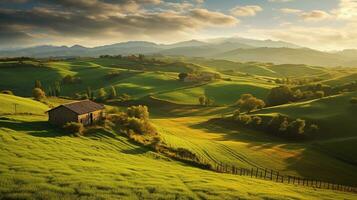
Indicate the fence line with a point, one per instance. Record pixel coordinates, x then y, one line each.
276 176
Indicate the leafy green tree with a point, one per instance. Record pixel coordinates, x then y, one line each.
256 120
182 76
38 84
236 114
49 91
284 125
202 100
248 102
280 95
102 94
89 93
57 89
38 93
297 127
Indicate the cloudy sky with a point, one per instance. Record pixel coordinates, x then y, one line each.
320 24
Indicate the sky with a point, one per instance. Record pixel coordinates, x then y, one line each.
319 24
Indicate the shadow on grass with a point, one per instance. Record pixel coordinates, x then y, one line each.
35 128
301 157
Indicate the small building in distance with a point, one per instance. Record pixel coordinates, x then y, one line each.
85 112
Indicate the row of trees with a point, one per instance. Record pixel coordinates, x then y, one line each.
278 125
284 94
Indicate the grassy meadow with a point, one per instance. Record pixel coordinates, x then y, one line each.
40 161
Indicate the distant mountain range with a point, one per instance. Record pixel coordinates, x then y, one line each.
234 49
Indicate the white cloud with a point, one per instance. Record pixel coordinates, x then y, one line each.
316 15
249 10
347 10
290 11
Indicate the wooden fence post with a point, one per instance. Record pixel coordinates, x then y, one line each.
256 173
265 173
271 174
277 176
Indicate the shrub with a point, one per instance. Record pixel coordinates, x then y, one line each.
102 94
140 112
275 123
236 114
353 100
74 127
9 92
245 119
256 120
38 93
297 127
202 100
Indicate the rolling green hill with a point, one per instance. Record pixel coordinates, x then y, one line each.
222 92
336 118
23 105
42 162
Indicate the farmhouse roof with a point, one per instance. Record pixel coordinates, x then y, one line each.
81 107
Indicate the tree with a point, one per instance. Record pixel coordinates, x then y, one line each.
89 93
182 76
236 114
248 102
113 92
101 94
202 100
297 127
57 89
256 120
298 94
284 125
38 84
209 101
49 91
38 93
280 95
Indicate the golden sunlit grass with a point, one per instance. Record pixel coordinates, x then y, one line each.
42 162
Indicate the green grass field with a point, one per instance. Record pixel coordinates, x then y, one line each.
39 161
42 162
222 92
